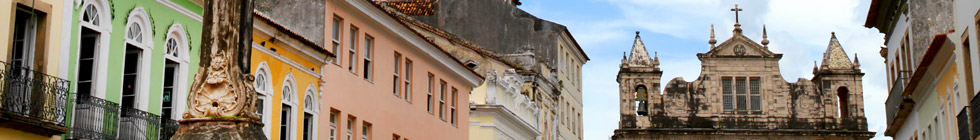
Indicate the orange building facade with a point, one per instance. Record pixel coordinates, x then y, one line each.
387 82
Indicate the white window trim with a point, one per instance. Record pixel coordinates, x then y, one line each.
102 51
311 92
179 97
139 16
290 83
263 69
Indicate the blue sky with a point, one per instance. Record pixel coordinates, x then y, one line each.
678 29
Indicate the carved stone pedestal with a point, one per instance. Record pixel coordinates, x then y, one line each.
219 129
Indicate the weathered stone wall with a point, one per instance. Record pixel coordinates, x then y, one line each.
934 17
305 17
497 26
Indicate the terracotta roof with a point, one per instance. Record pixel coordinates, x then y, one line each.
412 7
380 7
293 34
405 19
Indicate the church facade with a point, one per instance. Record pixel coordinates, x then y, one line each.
740 94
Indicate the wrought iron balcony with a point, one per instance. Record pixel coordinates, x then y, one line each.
95 119
99 119
29 97
898 105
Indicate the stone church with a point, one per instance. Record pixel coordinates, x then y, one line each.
740 94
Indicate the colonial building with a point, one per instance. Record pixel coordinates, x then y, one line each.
33 85
288 76
544 53
500 107
130 63
740 94
931 59
388 82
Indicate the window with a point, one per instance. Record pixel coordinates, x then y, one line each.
747 93
333 125
352 51
337 21
844 105
131 67
396 81
452 109
174 77
288 98
641 100
395 137
366 131
429 97
967 61
309 120
755 96
442 99
408 80
261 85
92 32
135 60
368 52
726 84
350 127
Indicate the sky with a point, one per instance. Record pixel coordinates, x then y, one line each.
679 29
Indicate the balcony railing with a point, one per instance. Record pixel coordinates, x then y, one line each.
136 124
99 119
897 101
32 97
975 116
95 119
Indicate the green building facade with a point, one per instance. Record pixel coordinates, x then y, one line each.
130 64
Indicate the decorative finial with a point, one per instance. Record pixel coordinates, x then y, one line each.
814 66
637 32
712 41
765 38
656 60
857 63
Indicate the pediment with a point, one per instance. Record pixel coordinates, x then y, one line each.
740 46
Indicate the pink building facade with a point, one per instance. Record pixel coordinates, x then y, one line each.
389 83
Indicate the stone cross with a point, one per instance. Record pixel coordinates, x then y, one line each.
736 9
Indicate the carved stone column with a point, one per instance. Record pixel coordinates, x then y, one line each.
221 103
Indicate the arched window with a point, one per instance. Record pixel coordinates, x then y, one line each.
262 85
92 48
287 120
310 107
844 104
138 46
641 100
175 72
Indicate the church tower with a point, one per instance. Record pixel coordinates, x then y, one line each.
839 81
639 86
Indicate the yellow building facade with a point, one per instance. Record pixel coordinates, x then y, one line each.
31 33
286 67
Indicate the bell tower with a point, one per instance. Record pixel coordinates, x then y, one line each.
839 80
639 87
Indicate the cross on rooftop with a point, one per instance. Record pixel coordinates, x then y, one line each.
736 9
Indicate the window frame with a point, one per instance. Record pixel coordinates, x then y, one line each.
104 28
337 36
368 57
396 77
352 50
408 80
139 19
289 83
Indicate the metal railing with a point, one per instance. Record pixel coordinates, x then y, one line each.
95 119
168 128
137 124
974 112
98 119
33 96
895 100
